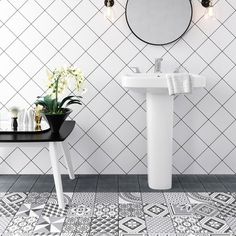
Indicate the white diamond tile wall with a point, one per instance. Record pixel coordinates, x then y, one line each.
110 135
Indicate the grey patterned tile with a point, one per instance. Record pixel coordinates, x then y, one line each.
2 195
80 210
104 209
49 225
37 198
132 197
107 198
130 210
180 209
214 225
222 198
8 210
67 198
14 198
132 225
153 197
21 226
214 213
231 221
197 198
205 209
30 210
53 210
4 221
104 224
76 226
187 225
159 225
227 210
85 198
156 210
176 198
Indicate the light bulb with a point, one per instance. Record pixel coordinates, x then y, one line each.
209 14
109 11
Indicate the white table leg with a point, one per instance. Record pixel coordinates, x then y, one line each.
56 173
65 149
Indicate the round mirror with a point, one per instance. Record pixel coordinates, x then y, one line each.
158 22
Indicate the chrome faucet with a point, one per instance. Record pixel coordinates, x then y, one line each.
157 65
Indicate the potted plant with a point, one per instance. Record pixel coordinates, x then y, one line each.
54 109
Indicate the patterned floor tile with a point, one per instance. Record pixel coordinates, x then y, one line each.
176 198
166 234
80 211
14 198
131 210
76 226
30 210
227 210
180 209
132 197
231 221
153 198
37 198
132 225
2 195
187 225
102 209
197 198
104 225
214 225
156 210
127 214
222 198
21 226
83 198
205 209
8 210
4 221
67 198
159 225
107 198
53 210
49 225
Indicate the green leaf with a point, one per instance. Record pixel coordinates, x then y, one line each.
64 100
74 102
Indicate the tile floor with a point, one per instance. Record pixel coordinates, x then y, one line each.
123 213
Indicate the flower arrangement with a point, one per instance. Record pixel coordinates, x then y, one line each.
58 82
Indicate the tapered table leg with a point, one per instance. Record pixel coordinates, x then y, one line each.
56 173
65 149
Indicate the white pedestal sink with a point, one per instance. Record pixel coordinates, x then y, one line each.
159 123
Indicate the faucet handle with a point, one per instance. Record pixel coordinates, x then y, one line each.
157 65
135 69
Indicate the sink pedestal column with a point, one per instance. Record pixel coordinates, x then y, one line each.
159 136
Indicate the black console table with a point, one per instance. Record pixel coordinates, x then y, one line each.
54 141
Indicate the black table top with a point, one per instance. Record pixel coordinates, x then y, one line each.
46 136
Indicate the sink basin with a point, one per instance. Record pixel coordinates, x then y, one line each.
160 113
155 83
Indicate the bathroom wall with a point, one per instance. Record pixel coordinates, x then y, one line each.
110 135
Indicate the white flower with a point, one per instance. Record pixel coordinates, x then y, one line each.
59 78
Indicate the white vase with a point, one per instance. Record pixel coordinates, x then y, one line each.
31 118
25 119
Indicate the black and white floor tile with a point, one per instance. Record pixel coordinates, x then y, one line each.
119 214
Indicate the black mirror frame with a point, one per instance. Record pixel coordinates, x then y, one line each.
191 17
